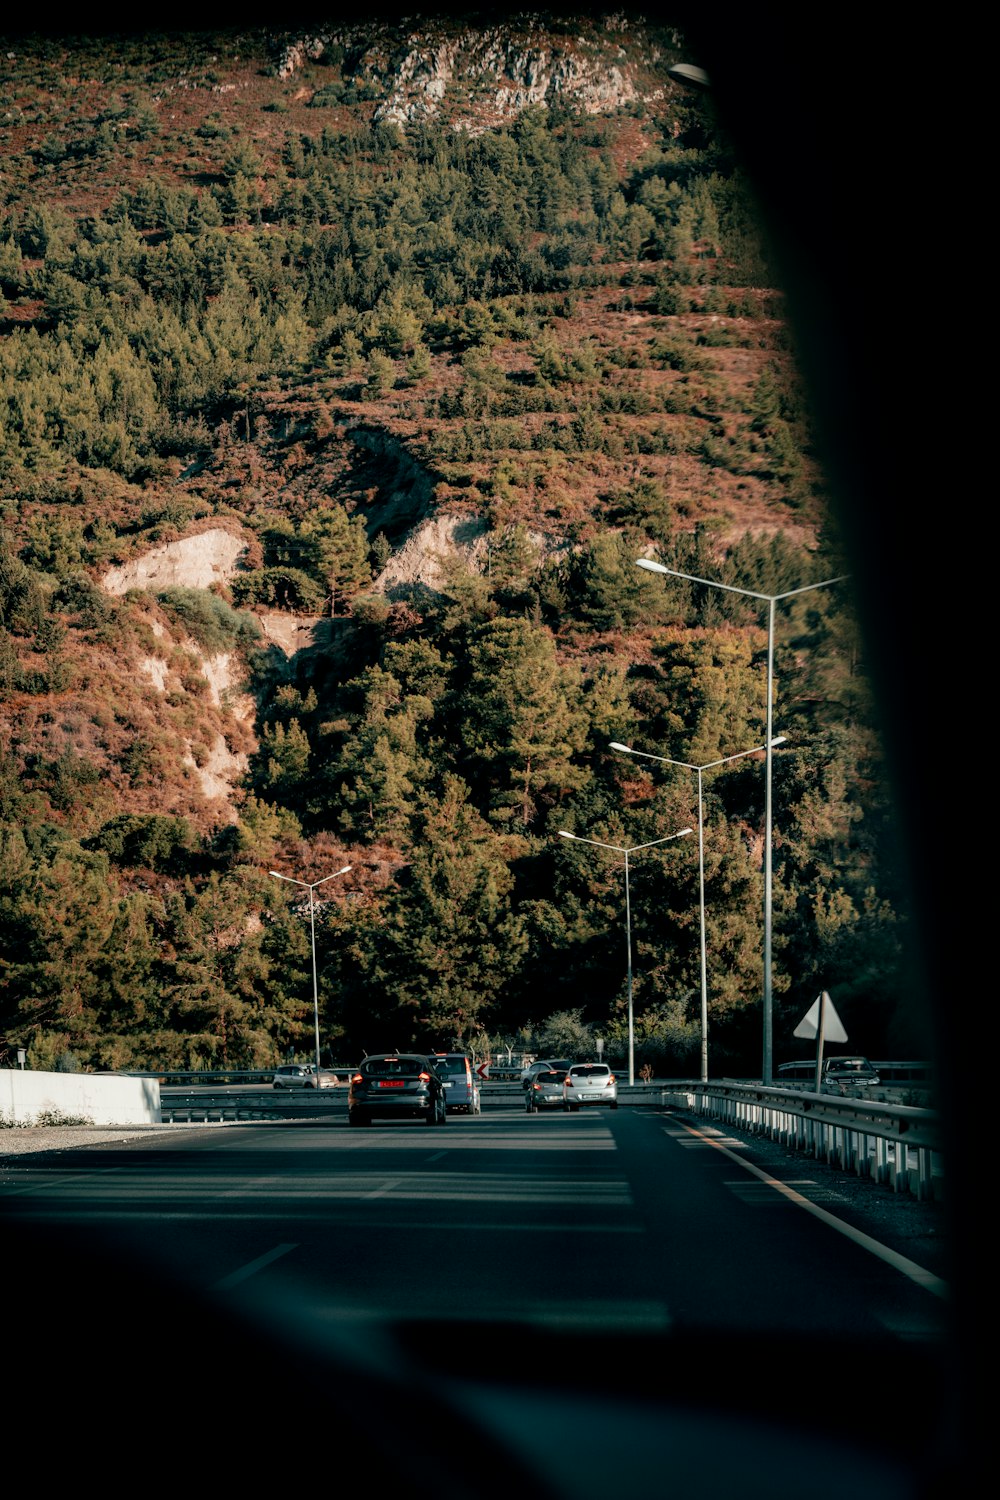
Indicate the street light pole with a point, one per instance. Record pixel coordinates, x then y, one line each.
770 600
311 886
707 766
631 849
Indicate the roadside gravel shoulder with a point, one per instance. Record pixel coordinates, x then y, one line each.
22 1140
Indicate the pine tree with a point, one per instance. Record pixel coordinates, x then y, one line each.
450 940
609 585
341 552
523 723
373 787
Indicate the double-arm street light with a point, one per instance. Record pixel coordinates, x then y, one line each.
631 849
311 886
771 600
707 766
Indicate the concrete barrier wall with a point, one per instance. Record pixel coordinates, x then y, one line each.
26 1098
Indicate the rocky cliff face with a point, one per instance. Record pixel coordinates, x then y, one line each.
482 76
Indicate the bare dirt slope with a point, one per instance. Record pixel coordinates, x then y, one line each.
193 562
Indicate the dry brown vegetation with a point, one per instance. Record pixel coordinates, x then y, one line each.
174 108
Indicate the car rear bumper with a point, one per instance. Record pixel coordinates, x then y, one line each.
412 1108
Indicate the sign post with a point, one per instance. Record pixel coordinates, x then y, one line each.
821 1021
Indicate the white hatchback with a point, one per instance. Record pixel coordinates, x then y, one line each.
589 1083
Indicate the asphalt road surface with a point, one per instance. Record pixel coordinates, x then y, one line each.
633 1256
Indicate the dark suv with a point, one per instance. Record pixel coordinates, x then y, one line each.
396 1085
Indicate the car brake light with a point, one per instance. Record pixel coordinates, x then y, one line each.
423 1078
357 1078
568 1081
611 1079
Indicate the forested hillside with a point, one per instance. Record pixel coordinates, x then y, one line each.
343 379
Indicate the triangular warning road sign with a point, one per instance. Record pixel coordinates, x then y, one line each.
833 1029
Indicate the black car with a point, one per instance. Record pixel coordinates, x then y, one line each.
397 1085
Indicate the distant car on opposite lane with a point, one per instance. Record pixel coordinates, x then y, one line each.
840 1075
303 1076
589 1083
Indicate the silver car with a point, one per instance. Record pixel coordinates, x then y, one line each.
545 1091
589 1083
303 1076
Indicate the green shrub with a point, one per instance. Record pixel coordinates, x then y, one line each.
152 841
212 622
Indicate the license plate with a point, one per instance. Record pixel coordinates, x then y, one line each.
392 1083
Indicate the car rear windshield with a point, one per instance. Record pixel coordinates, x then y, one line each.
587 1070
451 1065
392 1067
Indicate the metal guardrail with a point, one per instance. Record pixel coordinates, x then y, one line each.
220 1077
181 1104
898 1145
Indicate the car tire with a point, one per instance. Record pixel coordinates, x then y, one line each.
614 1104
354 1118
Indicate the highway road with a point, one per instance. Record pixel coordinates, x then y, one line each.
624 1247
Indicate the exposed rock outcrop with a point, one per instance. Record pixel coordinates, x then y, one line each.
503 70
420 560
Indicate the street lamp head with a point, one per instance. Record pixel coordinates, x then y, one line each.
563 834
683 831
650 565
277 875
692 77
625 749
781 740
